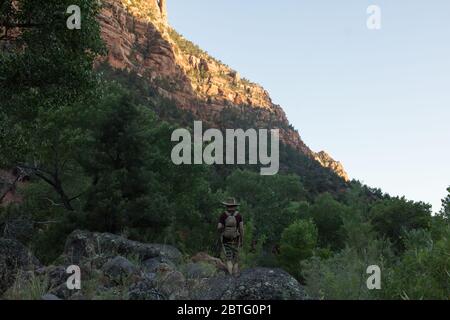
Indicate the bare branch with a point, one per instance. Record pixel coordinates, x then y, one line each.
53 203
49 181
46 222
77 196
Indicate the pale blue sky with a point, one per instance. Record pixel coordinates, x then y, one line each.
378 101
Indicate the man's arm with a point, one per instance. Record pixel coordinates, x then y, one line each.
221 224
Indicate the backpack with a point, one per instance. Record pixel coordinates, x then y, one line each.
231 226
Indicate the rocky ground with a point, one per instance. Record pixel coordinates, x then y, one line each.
113 267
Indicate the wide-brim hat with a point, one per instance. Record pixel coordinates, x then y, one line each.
231 202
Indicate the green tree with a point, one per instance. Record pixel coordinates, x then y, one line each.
297 244
117 164
135 186
328 215
423 270
392 217
271 200
343 275
48 88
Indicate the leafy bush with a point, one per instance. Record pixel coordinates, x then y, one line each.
297 244
328 215
423 270
269 199
392 217
343 276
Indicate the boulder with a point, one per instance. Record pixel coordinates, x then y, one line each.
57 278
172 285
199 270
14 257
56 275
84 244
144 290
252 284
158 264
159 274
203 257
119 268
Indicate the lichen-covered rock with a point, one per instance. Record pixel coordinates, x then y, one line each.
203 257
56 275
252 284
84 244
199 270
172 285
158 264
144 290
57 280
159 275
14 257
119 268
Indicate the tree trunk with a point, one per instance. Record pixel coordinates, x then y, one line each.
64 198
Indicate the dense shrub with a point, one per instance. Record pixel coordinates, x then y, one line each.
392 217
328 215
297 244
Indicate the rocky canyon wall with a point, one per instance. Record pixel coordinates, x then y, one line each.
139 39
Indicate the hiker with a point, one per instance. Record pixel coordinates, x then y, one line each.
231 228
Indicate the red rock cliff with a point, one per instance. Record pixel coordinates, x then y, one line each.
139 38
